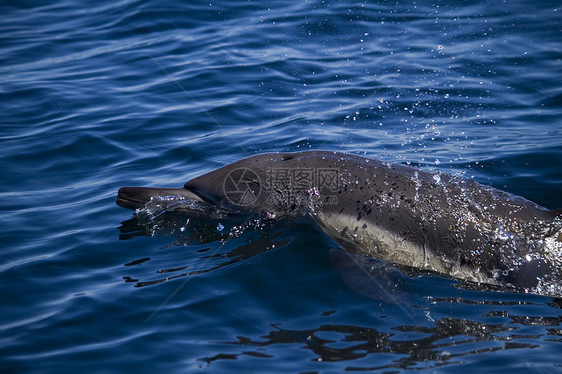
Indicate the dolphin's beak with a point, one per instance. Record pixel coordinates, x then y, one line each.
137 197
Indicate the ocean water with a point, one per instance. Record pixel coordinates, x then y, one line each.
98 95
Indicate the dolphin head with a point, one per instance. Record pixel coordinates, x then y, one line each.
275 184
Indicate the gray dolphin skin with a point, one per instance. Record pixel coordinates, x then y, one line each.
405 216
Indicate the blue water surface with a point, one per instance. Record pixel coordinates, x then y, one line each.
97 95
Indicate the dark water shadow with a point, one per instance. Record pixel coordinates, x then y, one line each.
213 244
445 341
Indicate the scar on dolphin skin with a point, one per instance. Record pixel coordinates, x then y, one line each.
396 213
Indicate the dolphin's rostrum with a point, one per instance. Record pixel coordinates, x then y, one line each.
396 213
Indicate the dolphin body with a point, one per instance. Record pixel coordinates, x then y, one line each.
402 215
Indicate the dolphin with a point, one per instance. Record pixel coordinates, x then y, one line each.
399 214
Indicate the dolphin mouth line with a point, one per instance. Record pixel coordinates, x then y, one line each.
137 197
126 203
